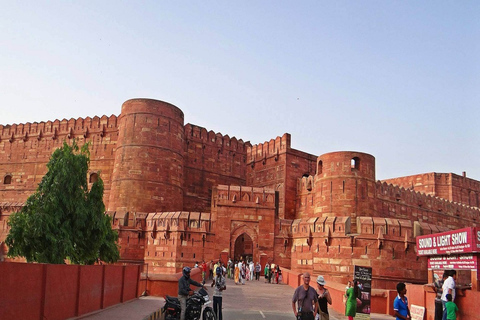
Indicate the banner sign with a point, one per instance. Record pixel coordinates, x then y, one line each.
364 277
465 240
459 262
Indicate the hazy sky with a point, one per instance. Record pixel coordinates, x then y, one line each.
397 79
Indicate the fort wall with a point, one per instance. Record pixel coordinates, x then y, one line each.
25 149
149 162
448 186
211 159
274 164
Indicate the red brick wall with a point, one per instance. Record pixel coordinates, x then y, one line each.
448 186
211 159
25 149
149 164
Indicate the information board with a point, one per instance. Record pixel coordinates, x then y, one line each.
364 277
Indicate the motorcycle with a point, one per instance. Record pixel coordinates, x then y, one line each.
196 307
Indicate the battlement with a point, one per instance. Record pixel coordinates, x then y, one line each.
197 133
270 148
52 129
395 193
245 196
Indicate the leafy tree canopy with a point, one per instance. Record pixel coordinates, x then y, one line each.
63 220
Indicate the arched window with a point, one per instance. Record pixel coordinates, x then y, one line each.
355 163
93 177
320 167
7 179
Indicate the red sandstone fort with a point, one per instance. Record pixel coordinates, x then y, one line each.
179 193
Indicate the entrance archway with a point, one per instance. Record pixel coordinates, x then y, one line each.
243 247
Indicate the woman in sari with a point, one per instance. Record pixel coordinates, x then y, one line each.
237 273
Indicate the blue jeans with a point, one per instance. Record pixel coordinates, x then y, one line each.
444 317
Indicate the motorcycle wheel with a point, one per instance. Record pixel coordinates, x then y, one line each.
208 314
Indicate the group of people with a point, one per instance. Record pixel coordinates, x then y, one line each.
218 283
272 273
244 271
309 303
445 307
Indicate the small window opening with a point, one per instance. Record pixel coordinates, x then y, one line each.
355 163
93 178
320 167
7 179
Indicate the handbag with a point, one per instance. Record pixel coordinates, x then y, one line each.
322 316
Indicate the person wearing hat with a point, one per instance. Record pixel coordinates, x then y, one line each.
324 298
219 286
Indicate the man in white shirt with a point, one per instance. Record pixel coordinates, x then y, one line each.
448 288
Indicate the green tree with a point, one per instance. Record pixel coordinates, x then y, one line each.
63 220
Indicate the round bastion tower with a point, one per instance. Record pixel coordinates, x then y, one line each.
345 185
149 163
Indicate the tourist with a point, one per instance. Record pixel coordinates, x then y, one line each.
237 273
451 308
252 268
266 272
243 273
349 285
271 276
258 269
351 304
184 290
229 268
437 287
204 271
448 288
278 274
324 299
304 301
400 304
210 267
219 286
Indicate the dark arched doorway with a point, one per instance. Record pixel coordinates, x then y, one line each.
243 247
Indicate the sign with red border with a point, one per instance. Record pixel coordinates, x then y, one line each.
465 240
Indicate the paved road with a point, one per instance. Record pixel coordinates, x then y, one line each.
256 300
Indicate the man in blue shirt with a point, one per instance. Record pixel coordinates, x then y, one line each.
400 304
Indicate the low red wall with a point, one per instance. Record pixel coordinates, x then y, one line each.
466 301
160 285
46 291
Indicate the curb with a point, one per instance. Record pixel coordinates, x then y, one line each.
156 315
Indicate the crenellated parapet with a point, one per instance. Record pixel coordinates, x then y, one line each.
244 196
194 133
395 196
59 129
269 149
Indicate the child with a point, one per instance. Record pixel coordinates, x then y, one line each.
451 308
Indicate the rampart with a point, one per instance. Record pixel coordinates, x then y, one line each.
444 185
25 149
211 159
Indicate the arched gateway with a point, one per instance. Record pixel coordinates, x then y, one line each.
243 243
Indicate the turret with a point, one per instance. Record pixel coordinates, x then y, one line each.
149 163
344 183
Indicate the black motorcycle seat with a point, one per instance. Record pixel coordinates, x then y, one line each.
172 299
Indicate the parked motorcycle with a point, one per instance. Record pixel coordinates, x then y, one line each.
197 308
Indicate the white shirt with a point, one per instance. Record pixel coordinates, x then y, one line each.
448 284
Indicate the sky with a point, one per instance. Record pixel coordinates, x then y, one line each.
399 80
